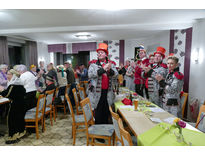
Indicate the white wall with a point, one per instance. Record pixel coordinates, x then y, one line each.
197 70
43 54
161 39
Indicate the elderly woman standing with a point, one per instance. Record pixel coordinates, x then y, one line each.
15 92
130 76
172 84
3 78
28 80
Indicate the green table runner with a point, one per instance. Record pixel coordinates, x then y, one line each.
158 136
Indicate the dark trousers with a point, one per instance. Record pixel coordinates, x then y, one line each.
30 100
16 123
139 89
61 91
73 85
102 112
146 92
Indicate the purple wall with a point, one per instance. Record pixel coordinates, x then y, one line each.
171 42
187 59
89 46
57 48
122 51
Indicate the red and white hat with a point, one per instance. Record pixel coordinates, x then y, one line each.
160 50
103 47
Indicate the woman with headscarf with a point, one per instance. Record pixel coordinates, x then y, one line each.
15 92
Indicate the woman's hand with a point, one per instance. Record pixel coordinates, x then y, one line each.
158 77
1 88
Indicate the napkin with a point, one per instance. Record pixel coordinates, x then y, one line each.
127 101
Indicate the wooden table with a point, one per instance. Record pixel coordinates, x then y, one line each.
139 123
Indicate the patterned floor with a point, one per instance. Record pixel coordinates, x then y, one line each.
57 135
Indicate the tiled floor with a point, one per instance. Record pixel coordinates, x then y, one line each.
57 135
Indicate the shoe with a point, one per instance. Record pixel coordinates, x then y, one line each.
21 135
12 141
100 140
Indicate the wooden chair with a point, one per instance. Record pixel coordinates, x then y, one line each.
115 118
77 102
67 89
82 93
202 110
36 114
99 131
50 109
126 138
77 120
85 85
183 100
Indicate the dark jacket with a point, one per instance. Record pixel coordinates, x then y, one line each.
70 75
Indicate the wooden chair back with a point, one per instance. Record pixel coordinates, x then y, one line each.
125 136
40 106
50 97
70 107
184 98
56 92
67 89
202 109
87 112
115 118
82 93
75 95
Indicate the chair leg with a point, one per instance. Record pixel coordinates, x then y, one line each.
93 141
54 116
74 134
51 119
64 109
56 111
42 125
87 140
109 141
37 135
113 139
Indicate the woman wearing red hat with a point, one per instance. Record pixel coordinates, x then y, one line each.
158 68
102 73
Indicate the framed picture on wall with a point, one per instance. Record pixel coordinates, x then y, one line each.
136 55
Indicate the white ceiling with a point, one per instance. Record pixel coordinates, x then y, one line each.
58 26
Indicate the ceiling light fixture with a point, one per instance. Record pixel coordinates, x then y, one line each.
83 36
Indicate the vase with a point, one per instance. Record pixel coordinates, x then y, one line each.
180 137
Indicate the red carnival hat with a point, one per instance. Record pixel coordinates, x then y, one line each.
102 47
160 50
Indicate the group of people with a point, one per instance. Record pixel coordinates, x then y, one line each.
23 86
159 82
151 78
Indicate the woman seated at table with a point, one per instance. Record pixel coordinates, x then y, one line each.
172 86
15 92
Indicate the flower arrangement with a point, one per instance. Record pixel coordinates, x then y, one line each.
179 124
